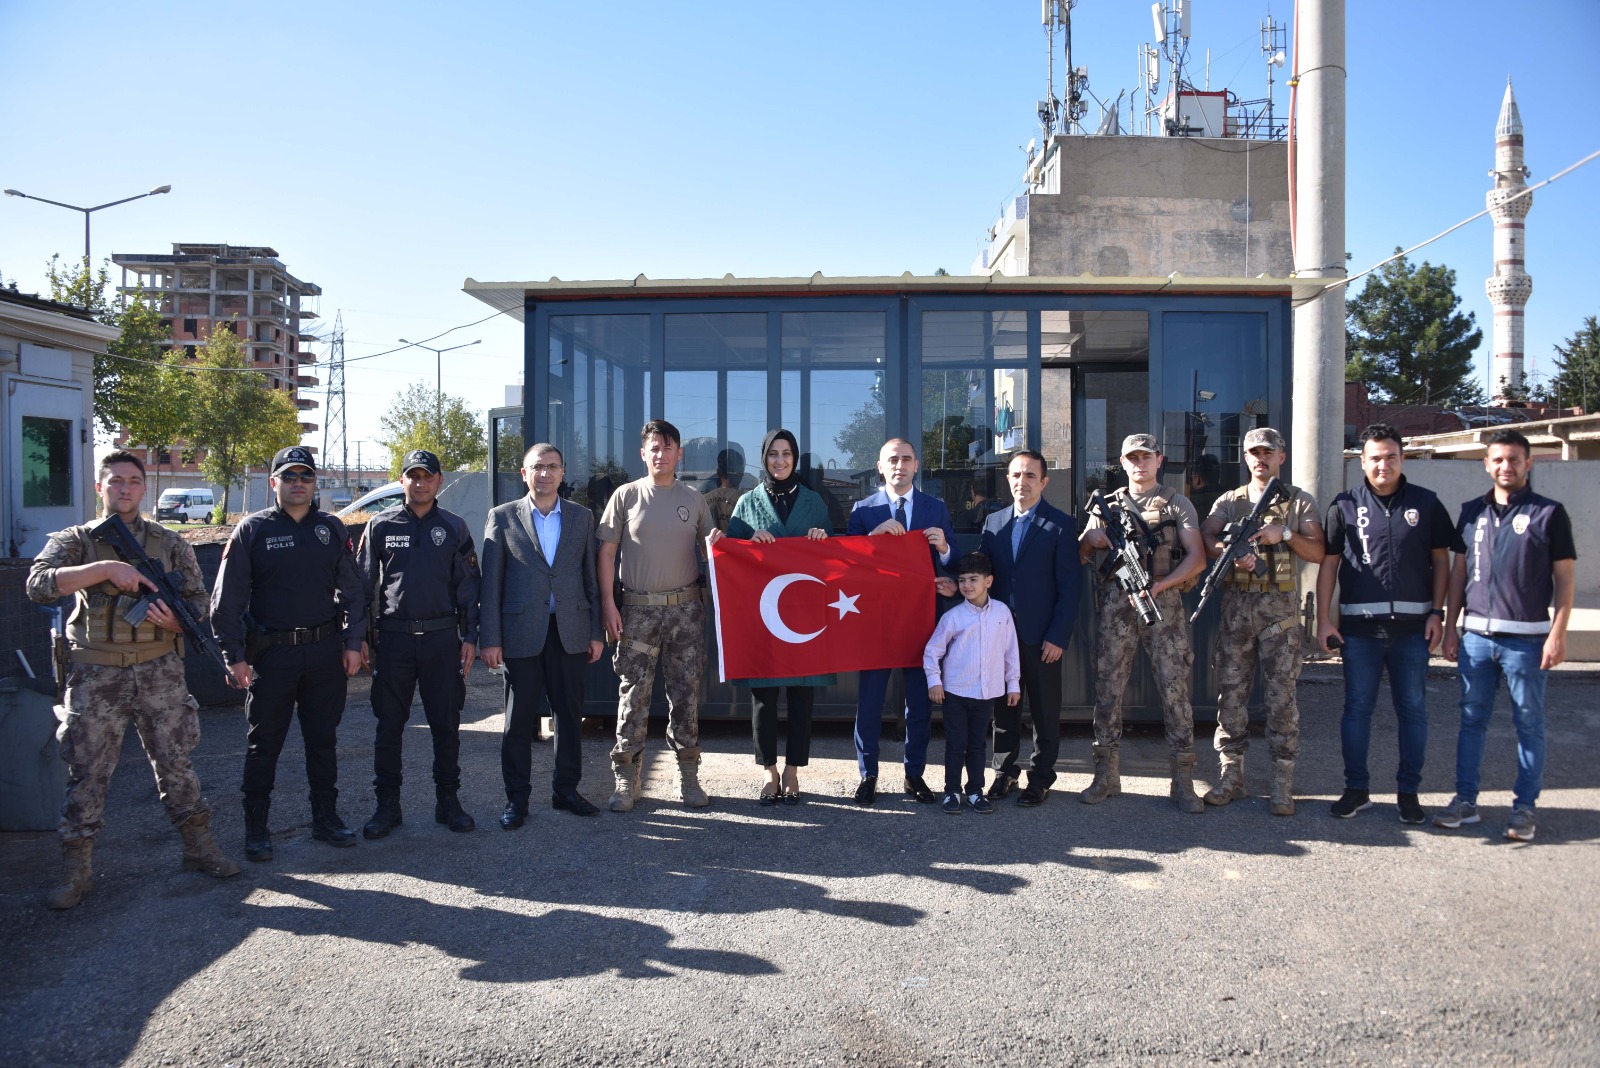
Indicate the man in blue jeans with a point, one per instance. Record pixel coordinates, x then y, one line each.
1519 559
1388 542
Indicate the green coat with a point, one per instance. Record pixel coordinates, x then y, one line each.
755 511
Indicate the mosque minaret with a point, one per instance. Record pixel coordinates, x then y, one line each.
1509 287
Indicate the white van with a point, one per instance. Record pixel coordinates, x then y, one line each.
182 505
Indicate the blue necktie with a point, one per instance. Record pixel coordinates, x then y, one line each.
1019 527
900 511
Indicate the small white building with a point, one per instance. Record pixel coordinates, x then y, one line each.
46 418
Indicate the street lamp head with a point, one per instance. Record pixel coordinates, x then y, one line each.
14 193
161 189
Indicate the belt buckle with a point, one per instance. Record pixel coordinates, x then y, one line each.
304 635
416 630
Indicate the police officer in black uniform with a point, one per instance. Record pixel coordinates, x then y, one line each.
290 604
422 578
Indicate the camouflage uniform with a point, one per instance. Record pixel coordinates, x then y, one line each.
674 635
101 698
1167 642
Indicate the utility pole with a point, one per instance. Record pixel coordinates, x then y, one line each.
334 445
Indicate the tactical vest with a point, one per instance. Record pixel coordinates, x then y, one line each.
1165 520
96 630
1280 558
1510 572
1386 570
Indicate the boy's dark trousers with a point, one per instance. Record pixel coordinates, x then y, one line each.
966 738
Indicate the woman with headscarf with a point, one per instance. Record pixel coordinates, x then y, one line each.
781 507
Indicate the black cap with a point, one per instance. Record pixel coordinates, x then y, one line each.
294 456
420 458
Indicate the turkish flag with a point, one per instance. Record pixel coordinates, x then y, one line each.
800 607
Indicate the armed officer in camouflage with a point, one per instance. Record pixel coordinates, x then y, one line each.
1174 565
119 673
655 524
1260 621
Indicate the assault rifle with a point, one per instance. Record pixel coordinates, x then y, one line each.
1236 543
169 589
1130 537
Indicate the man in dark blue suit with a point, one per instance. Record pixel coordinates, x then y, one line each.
896 510
1033 546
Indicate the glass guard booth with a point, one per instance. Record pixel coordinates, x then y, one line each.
970 369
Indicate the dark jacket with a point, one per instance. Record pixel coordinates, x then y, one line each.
1041 583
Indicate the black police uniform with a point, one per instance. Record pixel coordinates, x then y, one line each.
297 581
423 575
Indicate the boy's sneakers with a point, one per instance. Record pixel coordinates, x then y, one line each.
952 804
1460 812
1410 809
1351 802
980 804
1520 829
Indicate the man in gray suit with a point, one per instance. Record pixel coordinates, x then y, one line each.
540 617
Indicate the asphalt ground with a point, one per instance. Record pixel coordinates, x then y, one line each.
827 933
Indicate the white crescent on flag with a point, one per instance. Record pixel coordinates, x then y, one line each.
769 608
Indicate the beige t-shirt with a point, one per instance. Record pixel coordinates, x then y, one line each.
1300 513
656 529
1188 518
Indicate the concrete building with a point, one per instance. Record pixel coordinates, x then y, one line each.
198 285
1509 287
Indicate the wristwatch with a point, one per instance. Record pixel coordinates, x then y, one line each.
1287 534
1436 612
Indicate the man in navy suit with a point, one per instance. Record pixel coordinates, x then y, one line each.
1033 546
896 510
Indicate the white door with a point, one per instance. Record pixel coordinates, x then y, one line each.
43 449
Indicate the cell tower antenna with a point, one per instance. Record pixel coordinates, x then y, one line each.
1053 117
335 446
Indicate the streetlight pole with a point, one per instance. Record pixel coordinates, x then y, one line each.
438 380
88 211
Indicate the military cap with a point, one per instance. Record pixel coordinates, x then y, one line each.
1263 435
1139 443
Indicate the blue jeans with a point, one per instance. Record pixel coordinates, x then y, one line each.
1484 662
1406 657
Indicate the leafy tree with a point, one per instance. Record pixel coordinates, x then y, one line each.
1407 339
125 373
1577 378
233 415
163 419
863 433
414 419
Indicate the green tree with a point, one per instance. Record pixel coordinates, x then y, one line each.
414 419
234 417
125 373
163 419
1577 378
1407 339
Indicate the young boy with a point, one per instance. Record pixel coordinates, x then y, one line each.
977 641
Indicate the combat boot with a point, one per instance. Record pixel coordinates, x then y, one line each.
200 852
1183 793
1230 785
449 812
257 838
387 816
689 779
627 790
1282 803
76 874
1107 776
326 826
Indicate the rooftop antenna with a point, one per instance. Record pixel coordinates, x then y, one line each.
1057 14
1274 36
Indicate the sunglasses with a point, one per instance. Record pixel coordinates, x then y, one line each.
296 476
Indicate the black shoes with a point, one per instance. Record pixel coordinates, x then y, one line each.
513 817
573 802
918 789
386 818
1033 796
326 826
952 804
1410 809
1353 801
449 812
257 839
1002 786
867 792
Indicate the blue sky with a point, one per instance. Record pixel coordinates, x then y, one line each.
388 151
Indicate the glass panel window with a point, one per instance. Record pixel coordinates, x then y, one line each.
46 462
972 421
597 389
833 401
968 337
716 395
1214 390
1115 404
508 447
1098 336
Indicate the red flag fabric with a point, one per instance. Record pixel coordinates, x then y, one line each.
801 607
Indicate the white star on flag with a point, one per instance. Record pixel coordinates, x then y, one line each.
846 605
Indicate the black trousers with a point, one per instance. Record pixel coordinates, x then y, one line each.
404 664
309 679
1041 693
764 724
554 676
966 735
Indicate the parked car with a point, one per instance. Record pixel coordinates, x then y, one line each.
182 505
379 500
